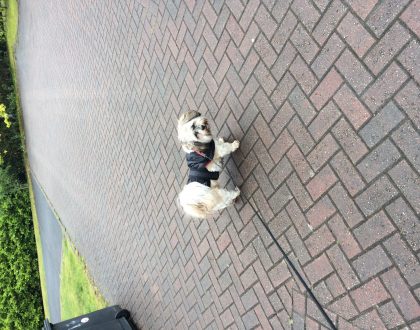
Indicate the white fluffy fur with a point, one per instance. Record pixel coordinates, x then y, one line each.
197 199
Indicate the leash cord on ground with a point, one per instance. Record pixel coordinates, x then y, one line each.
289 262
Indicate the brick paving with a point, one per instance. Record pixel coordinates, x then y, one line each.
324 96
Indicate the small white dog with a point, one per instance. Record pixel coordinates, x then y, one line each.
202 195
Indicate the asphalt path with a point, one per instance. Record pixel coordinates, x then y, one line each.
51 240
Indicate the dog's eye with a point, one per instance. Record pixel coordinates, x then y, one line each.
193 127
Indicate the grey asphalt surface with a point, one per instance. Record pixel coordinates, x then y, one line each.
51 240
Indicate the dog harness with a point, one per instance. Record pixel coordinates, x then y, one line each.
197 162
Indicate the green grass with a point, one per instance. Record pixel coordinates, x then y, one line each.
78 294
11 31
38 248
12 20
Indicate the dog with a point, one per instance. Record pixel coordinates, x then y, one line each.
201 196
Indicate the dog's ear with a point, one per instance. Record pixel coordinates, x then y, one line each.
187 116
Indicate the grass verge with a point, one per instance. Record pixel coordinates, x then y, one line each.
78 295
12 21
11 31
38 247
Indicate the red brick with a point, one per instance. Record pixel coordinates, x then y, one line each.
299 192
282 118
263 131
386 48
352 108
362 7
355 34
264 105
327 55
319 240
249 39
346 206
248 165
349 140
411 17
318 269
329 21
371 263
404 259
347 173
334 285
383 14
265 22
390 315
321 182
299 220
408 140
302 105
299 303
283 61
374 197
357 76
265 50
263 206
326 89
342 267
300 134
369 320
406 221
344 237
281 146
284 31
280 172
223 241
401 294
236 8
303 75
247 68
306 13
325 119
373 230
283 89
384 87
369 294
297 246
248 13
322 293
303 42
322 152
280 198
261 315
265 78
408 182
320 212
378 160
410 59
234 30
279 274
409 98
344 307
299 163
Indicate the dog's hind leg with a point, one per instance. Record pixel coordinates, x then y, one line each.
227 197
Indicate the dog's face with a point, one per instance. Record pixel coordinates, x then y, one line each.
192 128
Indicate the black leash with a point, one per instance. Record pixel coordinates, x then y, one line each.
285 256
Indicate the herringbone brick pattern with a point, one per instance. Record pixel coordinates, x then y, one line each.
323 95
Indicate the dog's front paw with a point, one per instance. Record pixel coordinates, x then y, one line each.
235 145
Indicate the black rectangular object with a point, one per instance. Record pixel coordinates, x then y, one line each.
109 318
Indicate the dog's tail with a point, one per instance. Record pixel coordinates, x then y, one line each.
196 200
